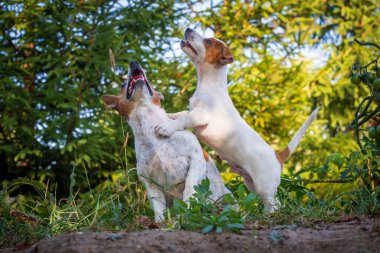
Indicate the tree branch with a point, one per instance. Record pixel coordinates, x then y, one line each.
367 44
369 116
327 181
364 112
324 181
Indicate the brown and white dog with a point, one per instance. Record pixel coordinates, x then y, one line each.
170 167
218 123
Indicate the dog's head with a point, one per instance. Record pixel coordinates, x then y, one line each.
135 89
206 50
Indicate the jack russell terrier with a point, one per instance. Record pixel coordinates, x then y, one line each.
218 123
170 167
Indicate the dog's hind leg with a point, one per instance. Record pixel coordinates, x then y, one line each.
242 172
156 198
266 187
216 183
249 182
197 172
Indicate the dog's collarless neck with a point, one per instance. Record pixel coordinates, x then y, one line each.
212 79
144 118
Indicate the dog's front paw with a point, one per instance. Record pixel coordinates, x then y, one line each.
166 129
171 116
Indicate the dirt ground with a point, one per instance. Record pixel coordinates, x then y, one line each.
350 235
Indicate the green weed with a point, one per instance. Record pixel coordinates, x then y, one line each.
114 205
201 213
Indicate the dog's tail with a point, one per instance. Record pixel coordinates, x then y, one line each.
285 154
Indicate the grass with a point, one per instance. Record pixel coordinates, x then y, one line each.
120 202
114 205
29 211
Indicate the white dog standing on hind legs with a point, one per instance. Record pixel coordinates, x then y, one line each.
170 167
218 123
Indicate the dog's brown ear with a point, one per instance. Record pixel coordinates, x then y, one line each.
112 102
227 56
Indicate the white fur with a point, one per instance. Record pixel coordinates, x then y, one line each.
169 167
301 131
218 123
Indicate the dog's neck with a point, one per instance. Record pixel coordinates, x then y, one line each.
210 78
143 119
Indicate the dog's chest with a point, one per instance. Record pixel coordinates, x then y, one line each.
224 124
162 164
217 132
204 133
163 161
212 132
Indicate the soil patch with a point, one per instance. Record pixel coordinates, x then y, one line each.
351 235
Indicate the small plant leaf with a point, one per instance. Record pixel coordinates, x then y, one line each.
236 226
207 229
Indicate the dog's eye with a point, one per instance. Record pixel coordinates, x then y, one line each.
209 42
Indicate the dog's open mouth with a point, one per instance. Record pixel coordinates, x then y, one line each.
137 76
187 44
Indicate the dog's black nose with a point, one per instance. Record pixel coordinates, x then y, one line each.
188 30
134 63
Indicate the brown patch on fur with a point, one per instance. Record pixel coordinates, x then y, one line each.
206 155
156 101
217 53
157 97
283 155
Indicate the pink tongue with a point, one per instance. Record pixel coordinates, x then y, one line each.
135 78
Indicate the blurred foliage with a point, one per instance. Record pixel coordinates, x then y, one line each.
54 68
290 56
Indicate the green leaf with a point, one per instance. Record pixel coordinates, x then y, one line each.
229 199
236 226
241 191
207 229
337 159
179 206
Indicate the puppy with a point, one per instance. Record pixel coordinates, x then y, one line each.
170 167
218 123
